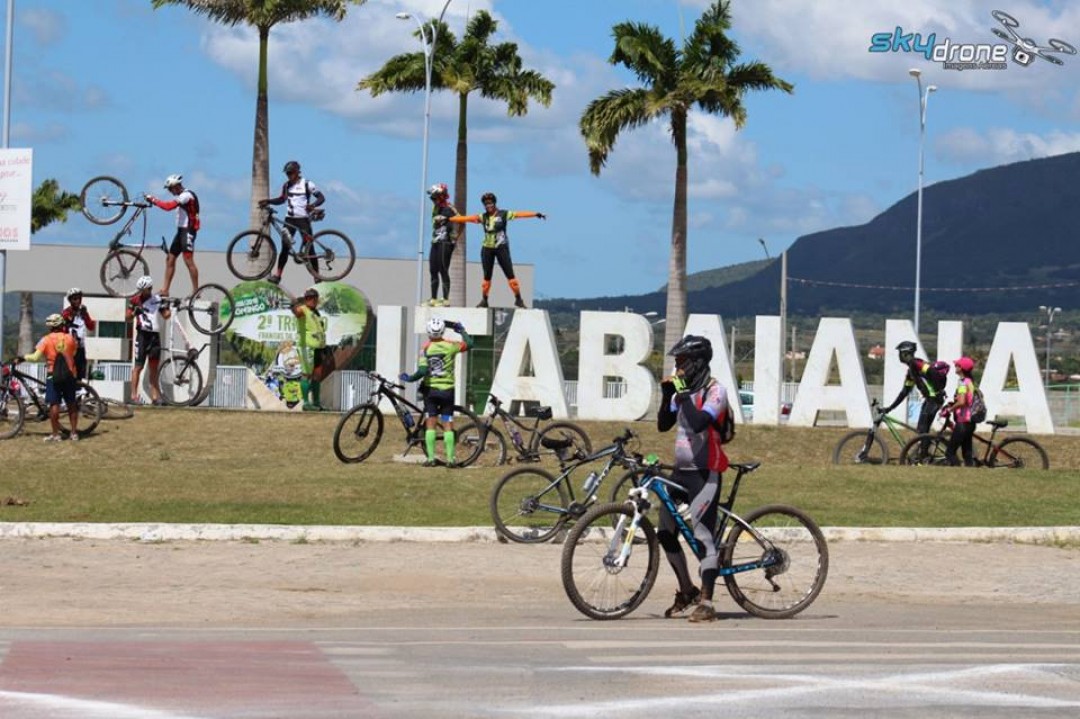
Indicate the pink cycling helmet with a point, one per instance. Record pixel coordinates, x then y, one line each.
965 363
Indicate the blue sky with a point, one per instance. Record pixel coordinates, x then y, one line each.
113 87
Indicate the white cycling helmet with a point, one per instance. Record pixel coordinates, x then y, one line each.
54 320
73 292
438 190
173 180
144 283
435 328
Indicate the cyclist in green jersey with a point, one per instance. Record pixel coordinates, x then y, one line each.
436 366
315 356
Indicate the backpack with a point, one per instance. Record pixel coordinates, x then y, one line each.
937 374
723 427
62 374
978 407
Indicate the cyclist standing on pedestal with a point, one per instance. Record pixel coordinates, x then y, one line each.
186 205
443 241
302 197
692 401
496 246
436 366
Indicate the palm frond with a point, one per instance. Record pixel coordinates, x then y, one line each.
645 51
263 13
607 116
401 73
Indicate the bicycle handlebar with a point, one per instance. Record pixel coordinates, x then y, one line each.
383 381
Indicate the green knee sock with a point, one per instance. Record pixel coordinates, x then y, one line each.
448 440
304 387
315 387
429 442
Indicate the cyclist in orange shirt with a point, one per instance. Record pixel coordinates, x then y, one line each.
59 375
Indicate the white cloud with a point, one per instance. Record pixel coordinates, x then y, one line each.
46 26
1002 145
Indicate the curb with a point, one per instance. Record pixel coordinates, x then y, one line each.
159 532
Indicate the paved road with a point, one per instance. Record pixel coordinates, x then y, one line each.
234 631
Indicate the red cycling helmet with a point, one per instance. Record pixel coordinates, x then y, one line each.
965 363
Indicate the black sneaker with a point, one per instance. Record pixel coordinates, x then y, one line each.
274 279
518 302
482 303
683 602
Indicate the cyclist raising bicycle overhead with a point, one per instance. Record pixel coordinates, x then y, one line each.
692 401
144 308
496 245
930 380
436 365
186 205
302 197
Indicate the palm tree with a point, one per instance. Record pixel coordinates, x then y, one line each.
704 73
49 205
262 15
471 65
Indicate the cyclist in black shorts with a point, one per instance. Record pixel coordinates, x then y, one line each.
302 197
496 244
186 205
443 241
144 308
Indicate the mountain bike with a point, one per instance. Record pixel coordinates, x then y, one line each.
865 446
531 505
104 201
20 391
360 430
327 255
774 560
180 379
1010 453
528 440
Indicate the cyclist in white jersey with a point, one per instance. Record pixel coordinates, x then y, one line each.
301 197
186 204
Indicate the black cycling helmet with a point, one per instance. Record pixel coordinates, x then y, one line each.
906 347
488 197
692 355
291 166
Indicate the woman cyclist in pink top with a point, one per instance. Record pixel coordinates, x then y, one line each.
960 408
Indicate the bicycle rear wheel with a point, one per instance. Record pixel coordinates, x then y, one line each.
592 578
1019 453
331 255
12 414
925 449
358 433
580 446
211 309
96 193
120 271
114 409
492 450
796 560
850 449
89 404
251 255
529 506
180 382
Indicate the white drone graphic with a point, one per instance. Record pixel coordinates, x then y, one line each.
1025 50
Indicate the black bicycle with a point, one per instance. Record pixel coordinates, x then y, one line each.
530 443
774 560
360 430
21 392
1015 452
328 255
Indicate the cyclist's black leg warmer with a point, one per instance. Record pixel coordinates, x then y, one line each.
668 534
434 262
703 489
930 408
502 254
487 261
446 251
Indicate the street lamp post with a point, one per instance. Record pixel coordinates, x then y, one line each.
924 97
1050 312
428 34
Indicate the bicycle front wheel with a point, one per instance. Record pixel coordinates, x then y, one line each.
852 449
604 573
580 446
925 449
120 271
115 409
12 414
492 447
358 433
211 309
101 199
180 382
529 506
621 492
1019 453
788 557
331 256
251 255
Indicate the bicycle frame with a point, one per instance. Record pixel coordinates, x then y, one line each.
513 426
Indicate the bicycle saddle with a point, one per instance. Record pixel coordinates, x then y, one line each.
998 423
555 444
746 468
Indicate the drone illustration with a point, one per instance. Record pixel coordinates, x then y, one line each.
1025 50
